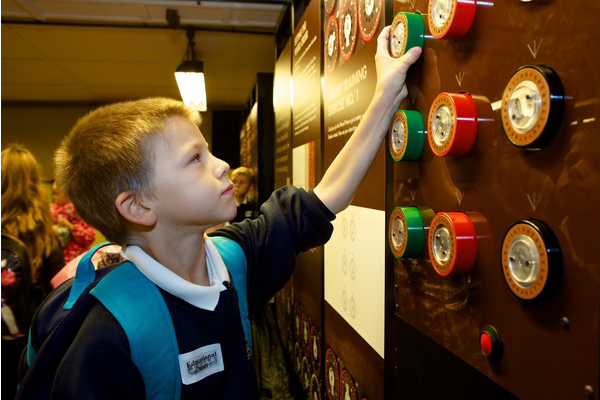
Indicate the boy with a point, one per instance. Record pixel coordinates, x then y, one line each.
242 179
141 173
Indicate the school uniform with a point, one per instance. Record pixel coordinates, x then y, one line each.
213 354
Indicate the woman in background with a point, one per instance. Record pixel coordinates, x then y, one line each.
25 217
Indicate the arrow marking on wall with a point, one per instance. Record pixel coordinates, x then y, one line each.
459 196
533 201
413 193
536 47
460 77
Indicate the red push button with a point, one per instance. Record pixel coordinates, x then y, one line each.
490 342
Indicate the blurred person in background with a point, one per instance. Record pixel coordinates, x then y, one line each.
75 235
26 273
242 179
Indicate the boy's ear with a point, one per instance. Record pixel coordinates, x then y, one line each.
134 210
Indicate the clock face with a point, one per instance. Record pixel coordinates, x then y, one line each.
331 44
348 25
332 375
369 13
348 390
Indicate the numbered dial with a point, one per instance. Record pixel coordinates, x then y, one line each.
315 349
297 322
305 334
347 28
532 106
407 31
298 358
452 243
407 232
369 12
305 374
452 124
348 390
407 135
332 376
331 44
329 5
531 259
450 19
315 388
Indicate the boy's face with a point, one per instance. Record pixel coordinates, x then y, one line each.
241 185
191 185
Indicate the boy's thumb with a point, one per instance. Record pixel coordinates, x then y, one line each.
412 55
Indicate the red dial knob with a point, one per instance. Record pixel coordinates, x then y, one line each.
452 243
452 124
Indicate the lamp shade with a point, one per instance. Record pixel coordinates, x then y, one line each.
190 80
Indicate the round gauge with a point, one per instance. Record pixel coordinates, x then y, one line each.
407 135
532 106
315 388
407 233
450 19
306 335
369 12
531 259
407 31
332 376
452 243
331 44
348 390
305 374
452 124
315 349
298 358
347 28
297 322
329 5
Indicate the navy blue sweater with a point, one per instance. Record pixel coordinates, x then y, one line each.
98 364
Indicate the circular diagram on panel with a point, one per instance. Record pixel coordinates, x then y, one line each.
352 307
329 5
532 106
305 334
407 31
450 19
315 388
344 227
315 344
347 28
344 264
452 124
344 300
352 230
352 269
305 374
407 232
331 44
452 243
348 390
531 259
298 358
297 327
407 135
369 12
332 376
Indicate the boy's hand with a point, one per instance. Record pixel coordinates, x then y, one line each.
391 72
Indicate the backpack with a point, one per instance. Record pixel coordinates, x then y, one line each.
152 340
17 284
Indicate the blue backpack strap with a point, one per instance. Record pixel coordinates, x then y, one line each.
138 306
235 260
85 274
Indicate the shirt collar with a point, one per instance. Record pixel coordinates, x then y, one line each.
204 297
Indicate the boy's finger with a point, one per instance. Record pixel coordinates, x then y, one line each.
411 56
382 39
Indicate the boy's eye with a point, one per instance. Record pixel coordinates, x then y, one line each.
196 158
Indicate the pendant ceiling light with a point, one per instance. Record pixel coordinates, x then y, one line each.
190 77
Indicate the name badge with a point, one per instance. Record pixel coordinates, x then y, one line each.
200 363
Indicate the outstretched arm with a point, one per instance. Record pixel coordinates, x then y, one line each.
346 173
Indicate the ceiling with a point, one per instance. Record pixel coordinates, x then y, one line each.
107 50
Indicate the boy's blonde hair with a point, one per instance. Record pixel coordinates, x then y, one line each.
110 151
243 171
